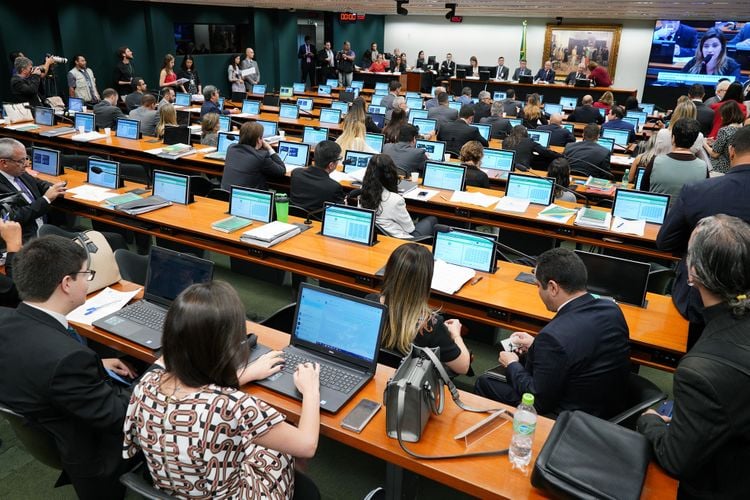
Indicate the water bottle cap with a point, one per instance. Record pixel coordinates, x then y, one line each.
282 197
528 399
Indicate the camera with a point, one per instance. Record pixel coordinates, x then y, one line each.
58 59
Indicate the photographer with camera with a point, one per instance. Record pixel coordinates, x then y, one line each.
25 85
81 82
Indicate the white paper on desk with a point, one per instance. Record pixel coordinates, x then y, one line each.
621 160
626 226
105 302
358 174
155 151
556 213
194 109
449 278
90 193
416 194
340 176
509 204
474 198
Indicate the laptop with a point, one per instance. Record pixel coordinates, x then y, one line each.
357 84
525 79
425 126
448 176
85 120
167 275
378 119
250 108
648 108
332 82
324 90
293 154
172 187
499 96
435 150
641 115
375 141
381 86
537 190
341 106
305 105
633 120
354 224
103 173
349 94
340 332
455 105
640 205
225 123
568 103
128 129
75 104
44 116
497 163
552 109
270 131
484 130
414 103
620 136
313 136
372 108
541 137
176 134
377 99
183 117
621 279
582 82
515 121
465 248
355 163
46 161
298 88
639 173
417 113
223 141
328 115
258 89
251 204
181 100
569 127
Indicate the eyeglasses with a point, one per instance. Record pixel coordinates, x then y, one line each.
91 273
19 160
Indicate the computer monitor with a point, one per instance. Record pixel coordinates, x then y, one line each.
349 94
285 92
46 161
375 141
552 109
85 120
413 95
298 88
269 128
417 113
525 79
425 126
568 103
173 187
330 115
259 89
455 105
75 104
355 160
294 153
349 223
313 136
539 136
414 103
305 104
324 90
182 99
484 130
250 107
176 134
582 82
622 279
640 205
435 150
128 129
515 121
332 82
376 109
647 108
537 190
633 120
639 173
289 111
380 93
378 119
357 84
252 204
569 127
381 86
224 140
620 136
606 142
496 163
465 248
377 99
238 96
341 106
44 116
220 103
641 115
448 176
499 96
225 123
103 173
183 117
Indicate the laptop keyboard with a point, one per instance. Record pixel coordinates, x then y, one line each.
330 376
142 313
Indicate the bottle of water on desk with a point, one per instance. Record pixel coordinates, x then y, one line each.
625 177
524 425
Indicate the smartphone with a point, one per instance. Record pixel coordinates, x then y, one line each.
507 345
357 419
497 372
665 408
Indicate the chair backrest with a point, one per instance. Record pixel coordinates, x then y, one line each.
282 320
51 229
660 281
139 481
389 357
37 441
132 266
218 194
200 186
641 394
135 172
76 162
352 197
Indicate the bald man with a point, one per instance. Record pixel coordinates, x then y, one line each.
575 75
558 135
545 74
586 112
721 89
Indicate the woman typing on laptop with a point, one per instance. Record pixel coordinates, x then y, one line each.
203 436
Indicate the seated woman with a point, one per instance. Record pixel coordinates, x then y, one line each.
210 129
251 161
471 157
519 141
398 120
533 115
380 65
221 441
606 101
353 135
411 320
380 193
167 116
559 169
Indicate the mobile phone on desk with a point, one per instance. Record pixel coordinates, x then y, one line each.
360 415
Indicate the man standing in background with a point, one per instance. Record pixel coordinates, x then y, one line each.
250 69
306 55
345 59
81 82
327 62
124 71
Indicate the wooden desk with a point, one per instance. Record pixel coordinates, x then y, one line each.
486 477
552 92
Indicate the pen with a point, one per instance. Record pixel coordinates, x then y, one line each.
94 308
476 280
619 225
443 197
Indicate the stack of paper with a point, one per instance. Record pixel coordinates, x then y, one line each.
474 198
509 204
556 213
626 226
90 193
231 224
588 217
143 205
270 234
115 201
339 176
449 278
176 151
88 136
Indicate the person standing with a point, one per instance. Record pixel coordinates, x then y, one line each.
25 85
190 73
167 75
81 82
327 61
306 56
124 71
250 69
234 75
345 59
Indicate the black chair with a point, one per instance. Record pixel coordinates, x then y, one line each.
352 197
218 194
135 172
116 241
309 215
271 100
200 185
132 266
38 442
76 162
282 320
138 481
641 394
453 154
660 280
389 357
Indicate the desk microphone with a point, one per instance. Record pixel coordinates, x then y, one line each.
308 213
526 169
65 117
608 175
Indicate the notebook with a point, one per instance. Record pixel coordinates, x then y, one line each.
340 332
167 275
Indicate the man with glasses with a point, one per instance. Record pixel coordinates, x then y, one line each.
50 376
37 194
312 186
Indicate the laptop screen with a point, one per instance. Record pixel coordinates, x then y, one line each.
324 89
170 272
444 176
328 115
341 106
44 116
639 173
224 140
620 136
414 103
375 141
357 84
85 120
376 109
413 95
497 162
338 324
633 120
569 127
176 135
606 142
289 111
313 136
539 136
259 89
641 115
435 149
378 119
75 104
251 107
249 203
298 88
128 129
294 153
455 105
465 248
377 99
569 103
417 113
425 125
648 108
381 86
349 223
332 82
103 173
622 279
526 187
181 99
286 91
45 161
484 130
514 121
225 123
640 205
183 117
172 187
602 111
269 128
354 160
305 104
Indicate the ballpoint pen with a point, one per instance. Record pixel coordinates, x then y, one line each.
476 280
95 308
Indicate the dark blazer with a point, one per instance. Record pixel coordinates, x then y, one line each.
718 195
518 72
105 114
586 114
706 445
301 55
457 133
511 107
249 167
501 127
27 215
705 117
558 136
481 110
475 177
448 68
687 38
406 156
503 73
212 107
579 361
581 153
26 89
545 76
573 76
61 385
442 114
311 187
525 152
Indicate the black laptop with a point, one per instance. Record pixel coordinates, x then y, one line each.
339 331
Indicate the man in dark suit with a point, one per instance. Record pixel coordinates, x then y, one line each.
501 127
501 70
615 121
327 61
580 74
106 111
50 376
545 74
558 136
26 84
448 67
511 107
311 187
459 132
404 152
442 112
586 112
521 70
705 115
685 37
483 107
586 156
726 194
38 194
579 360
306 56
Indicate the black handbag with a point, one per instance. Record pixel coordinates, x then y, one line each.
587 457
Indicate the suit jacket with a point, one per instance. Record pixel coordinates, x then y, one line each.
442 114
26 89
586 114
579 361
27 215
558 136
687 38
249 167
457 133
476 177
481 110
532 154
518 72
501 127
573 76
149 118
311 187
448 68
705 117
545 76
301 55
61 386
718 195
133 100
503 73
105 114
406 156
580 154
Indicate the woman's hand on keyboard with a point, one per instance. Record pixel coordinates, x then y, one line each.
265 366
307 379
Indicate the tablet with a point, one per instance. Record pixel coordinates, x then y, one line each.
46 161
173 187
465 248
448 176
249 203
353 224
640 205
538 190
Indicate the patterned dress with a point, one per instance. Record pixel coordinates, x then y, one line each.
201 445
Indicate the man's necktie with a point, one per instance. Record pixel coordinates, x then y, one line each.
23 189
74 335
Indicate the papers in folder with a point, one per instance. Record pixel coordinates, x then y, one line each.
270 234
588 217
474 198
556 213
510 204
449 278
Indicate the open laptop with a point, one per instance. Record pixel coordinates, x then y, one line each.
622 279
640 205
223 141
340 332
167 275
497 163
449 176
181 100
375 141
568 103
289 111
552 109
620 136
294 154
639 173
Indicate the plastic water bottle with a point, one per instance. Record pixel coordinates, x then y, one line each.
625 177
524 425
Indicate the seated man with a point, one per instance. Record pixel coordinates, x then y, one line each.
580 359
580 74
442 112
311 187
511 107
146 114
588 157
167 96
615 121
482 109
545 74
133 99
404 152
501 127
431 103
50 376
457 133
521 70
558 135
586 112
211 102
106 111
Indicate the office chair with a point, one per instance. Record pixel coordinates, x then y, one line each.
660 280
116 241
218 194
132 266
76 162
282 320
135 172
641 394
352 197
389 357
201 185
453 154
309 215
426 239
37 441
139 481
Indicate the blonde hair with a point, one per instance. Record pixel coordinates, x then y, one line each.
352 136
532 110
685 109
607 98
209 123
167 116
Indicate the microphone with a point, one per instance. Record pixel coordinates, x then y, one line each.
308 213
705 62
608 175
585 198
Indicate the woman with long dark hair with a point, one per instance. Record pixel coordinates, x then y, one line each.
711 56
189 71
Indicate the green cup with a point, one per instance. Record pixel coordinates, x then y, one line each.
282 207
